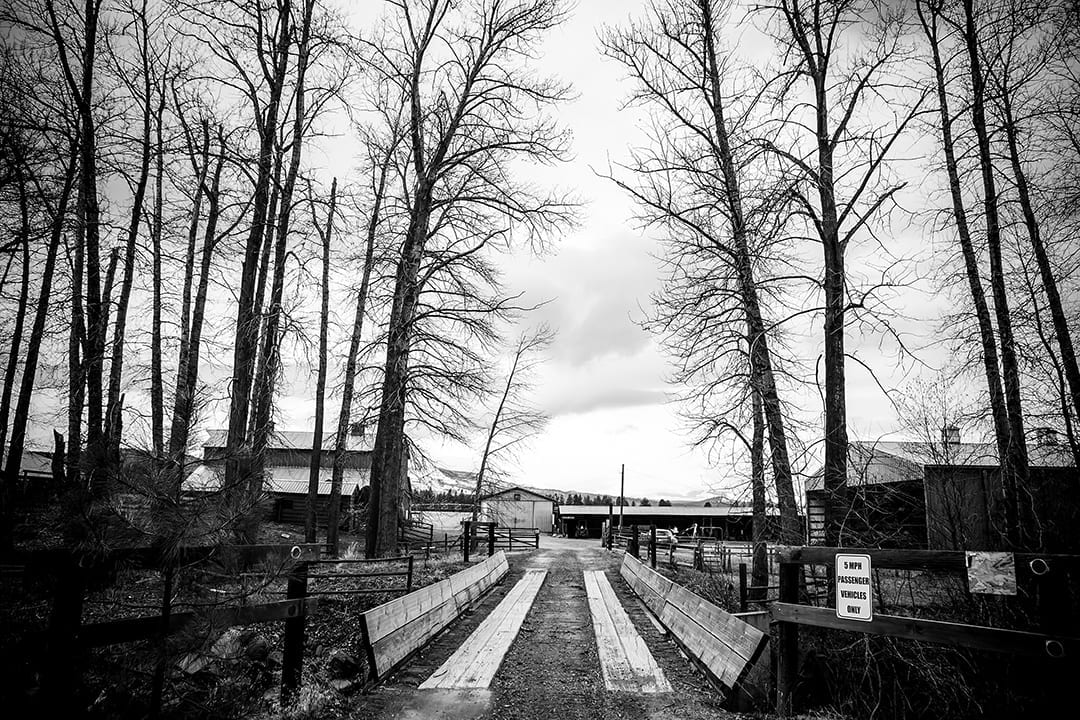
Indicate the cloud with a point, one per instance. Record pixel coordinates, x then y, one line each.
614 397
594 288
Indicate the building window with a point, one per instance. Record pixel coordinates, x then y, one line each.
517 496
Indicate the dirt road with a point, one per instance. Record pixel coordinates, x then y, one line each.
552 668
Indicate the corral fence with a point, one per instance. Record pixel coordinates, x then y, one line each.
480 534
234 573
708 555
415 535
1041 579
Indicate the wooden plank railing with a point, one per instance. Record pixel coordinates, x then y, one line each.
722 644
395 630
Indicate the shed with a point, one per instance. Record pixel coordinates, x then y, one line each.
518 507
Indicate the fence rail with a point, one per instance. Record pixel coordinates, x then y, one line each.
789 614
74 571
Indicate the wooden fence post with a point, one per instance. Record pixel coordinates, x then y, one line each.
60 677
742 587
491 539
292 664
537 539
408 581
158 686
652 546
466 540
787 656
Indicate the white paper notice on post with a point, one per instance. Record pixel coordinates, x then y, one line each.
854 596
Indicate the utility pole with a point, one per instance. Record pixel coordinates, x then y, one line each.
622 491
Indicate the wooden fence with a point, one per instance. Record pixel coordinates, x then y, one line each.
338 571
300 566
1043 572
73 572
477 534
417 536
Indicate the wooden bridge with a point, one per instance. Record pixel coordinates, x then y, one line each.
571 622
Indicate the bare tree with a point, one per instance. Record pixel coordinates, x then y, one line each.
1015 462
1019 82
142 85
380 160
929 14
515 419
269 358
472 111
193 312
77 52
325 236
698 182
839 158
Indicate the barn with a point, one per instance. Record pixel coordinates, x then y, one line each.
728 522
518 507
944 495
288 461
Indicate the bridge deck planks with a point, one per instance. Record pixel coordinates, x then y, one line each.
475 662
625 660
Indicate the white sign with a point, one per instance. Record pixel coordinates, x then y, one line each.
854 597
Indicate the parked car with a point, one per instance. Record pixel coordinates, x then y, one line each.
663 536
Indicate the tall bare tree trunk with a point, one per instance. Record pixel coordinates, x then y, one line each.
33 348
116 367
836 445
264 382
1046 272
345 415
76 369
201 168
320 379
1055 362
265 271
761 372
389 452
187 372
238 446
971 263
157 395
20 312
88 328
1015 463
759 572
